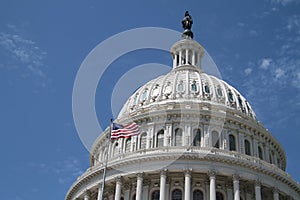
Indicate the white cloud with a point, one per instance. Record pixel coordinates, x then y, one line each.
248 71
265 63
25 53
279 73
253 33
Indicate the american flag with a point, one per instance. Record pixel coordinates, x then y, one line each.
124 131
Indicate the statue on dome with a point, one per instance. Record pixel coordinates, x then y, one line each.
187 21
187 25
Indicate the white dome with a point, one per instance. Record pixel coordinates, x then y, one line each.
186 84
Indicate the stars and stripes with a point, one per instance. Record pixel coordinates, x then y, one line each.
124 131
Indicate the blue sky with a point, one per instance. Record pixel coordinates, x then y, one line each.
255 45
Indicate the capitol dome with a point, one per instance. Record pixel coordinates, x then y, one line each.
198 139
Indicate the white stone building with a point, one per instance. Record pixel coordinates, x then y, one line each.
199 139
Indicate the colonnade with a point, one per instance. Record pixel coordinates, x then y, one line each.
232 193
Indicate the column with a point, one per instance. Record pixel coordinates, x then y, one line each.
174 60
146 184
267 156
236 187
212 185
139 186
255 148
186 56
127 191
199 61
229 191
275 194
118 188
187 184
257 190
163 179
180 57
167 134
99 191
87 195
194 58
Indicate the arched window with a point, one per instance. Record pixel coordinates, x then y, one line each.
215 139
230 96
197 137
232 144
219 196
197 195
160 139
178 137
155 195
127 145
177 194
206 89
143 140
260 153
115 149
194 87
247 148
271 158
180 87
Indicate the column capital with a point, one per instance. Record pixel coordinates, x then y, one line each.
257 183
235 177
212 174
275 190
164 172
188 172
140 175
118 179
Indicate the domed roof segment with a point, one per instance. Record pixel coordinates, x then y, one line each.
186 83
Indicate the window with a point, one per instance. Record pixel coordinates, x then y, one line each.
144 95
271 158
155 195
247 148
206 89
197 195
155 91
127 145
115 149
194 87
215 139
219 196
178 137
230 96
232 145
219 92
240 101
260 153
180 87
160 139
143 140
134 102
177 194
197 137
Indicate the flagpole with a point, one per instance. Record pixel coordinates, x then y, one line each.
106 159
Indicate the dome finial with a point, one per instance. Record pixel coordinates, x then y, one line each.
187 26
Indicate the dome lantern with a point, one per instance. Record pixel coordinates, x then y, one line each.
187 52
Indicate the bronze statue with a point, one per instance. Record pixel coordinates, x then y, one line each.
187 21
187 25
